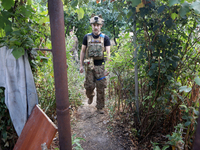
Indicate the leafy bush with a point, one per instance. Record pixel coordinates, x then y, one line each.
8 135
167 60
44 79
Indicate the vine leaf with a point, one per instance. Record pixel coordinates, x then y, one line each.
161 9
29 2
184 9
7 4
80 13
25 11
187 123
172 2
135 2
2 23
197 80
169 23
185 89
174 15
18 52
74 3
196 6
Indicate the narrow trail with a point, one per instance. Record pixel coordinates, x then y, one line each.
93 127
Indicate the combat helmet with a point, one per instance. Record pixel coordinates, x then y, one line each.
96 19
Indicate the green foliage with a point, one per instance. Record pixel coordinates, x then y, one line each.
24 32
190 114
176 137
197 80
75 79
80 20
168 56
156 147
44 80
72 20
7 4
112 23
122 59
76 142
8 135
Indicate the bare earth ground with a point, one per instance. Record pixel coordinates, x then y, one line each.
97 130
93 127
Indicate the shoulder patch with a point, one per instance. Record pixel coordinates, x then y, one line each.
89 34
102 35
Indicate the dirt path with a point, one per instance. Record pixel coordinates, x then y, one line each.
93 127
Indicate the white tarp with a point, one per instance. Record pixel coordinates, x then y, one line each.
20 92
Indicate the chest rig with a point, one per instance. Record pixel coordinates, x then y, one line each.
95 47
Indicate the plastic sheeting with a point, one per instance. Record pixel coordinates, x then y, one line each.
20 92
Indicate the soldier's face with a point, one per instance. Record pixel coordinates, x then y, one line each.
96 28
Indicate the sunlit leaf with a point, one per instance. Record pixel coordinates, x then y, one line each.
157 148
139 6
174 15
197 80
196 112
196 6
185 89
172 2
165 147
80 13
183 106
29 2
184 9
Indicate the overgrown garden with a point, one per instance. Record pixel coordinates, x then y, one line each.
161 111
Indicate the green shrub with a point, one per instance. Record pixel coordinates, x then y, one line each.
8 135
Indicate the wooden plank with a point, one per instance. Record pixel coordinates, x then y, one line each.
38 129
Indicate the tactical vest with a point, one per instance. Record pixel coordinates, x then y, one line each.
95 47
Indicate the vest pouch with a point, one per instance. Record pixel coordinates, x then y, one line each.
98 52
91 50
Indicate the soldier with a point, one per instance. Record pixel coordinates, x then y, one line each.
74 49
93 47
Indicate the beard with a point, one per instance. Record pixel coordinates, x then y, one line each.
96 31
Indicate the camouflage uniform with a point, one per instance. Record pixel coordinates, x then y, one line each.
92 79
94 64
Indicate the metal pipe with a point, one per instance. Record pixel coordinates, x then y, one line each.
60 72
196 144
136 67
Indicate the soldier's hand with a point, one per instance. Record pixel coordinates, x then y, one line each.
81 69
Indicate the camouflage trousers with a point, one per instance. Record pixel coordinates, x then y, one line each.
96 78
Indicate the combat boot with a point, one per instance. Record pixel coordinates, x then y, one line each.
100 111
